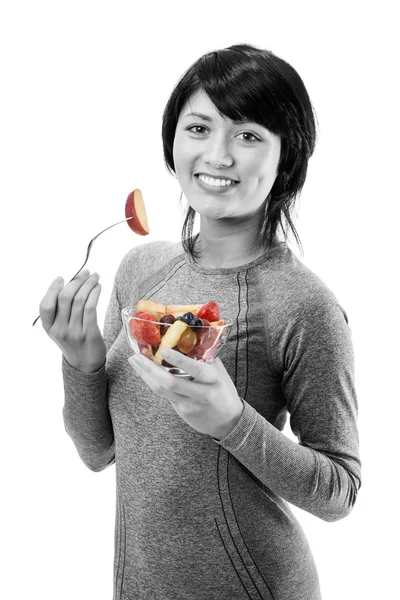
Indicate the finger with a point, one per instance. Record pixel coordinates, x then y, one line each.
202 372
48 306
79 301
66 297
90 310
163 380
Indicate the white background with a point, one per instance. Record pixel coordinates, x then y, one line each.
83 89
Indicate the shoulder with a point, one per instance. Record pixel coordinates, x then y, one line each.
304 316
148 257
298 292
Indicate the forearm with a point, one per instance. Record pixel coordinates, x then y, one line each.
304 477
86 416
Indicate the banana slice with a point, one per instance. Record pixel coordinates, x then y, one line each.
177 310
180 309
172 337
150 306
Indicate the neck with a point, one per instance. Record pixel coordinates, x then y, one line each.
225 244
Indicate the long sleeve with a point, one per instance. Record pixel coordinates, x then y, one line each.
321 473
86 415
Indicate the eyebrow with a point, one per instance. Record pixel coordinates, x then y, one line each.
207 118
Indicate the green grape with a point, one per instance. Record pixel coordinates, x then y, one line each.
187 341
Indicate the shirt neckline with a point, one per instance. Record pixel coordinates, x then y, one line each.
268 254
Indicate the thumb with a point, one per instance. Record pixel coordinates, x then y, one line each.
131 360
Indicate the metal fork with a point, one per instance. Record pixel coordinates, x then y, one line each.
88 252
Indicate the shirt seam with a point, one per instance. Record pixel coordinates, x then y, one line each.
267 329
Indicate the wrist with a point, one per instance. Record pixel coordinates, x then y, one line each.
226 429
84 368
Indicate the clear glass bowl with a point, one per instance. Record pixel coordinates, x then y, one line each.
208 342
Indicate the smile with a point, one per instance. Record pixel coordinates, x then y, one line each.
210 182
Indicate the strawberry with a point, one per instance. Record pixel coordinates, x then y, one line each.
147 316
209 311
144 332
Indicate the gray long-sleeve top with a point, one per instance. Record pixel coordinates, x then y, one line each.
196 518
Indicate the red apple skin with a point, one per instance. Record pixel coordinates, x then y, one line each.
134 207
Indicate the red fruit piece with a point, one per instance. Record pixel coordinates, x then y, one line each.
195 353
209 311
146 350
208 339
147 316
143 331
165 321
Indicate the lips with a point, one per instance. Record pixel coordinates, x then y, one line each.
217 190
219 176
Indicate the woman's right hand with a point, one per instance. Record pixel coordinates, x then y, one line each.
69 318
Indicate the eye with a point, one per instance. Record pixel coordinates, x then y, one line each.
256 139
195 127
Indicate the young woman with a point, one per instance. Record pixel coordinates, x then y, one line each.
204 472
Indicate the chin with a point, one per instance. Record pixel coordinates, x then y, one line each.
210 210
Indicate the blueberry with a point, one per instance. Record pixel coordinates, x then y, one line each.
180 319
196 324
187 317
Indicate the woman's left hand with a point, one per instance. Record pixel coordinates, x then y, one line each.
210 404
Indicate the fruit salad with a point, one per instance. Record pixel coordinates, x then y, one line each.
192 329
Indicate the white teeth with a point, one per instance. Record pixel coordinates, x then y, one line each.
216 182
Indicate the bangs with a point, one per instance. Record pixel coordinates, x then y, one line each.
235 88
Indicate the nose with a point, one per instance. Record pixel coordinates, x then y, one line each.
217 152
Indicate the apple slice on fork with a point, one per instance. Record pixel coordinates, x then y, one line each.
135 211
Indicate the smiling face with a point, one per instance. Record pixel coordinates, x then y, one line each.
206 143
